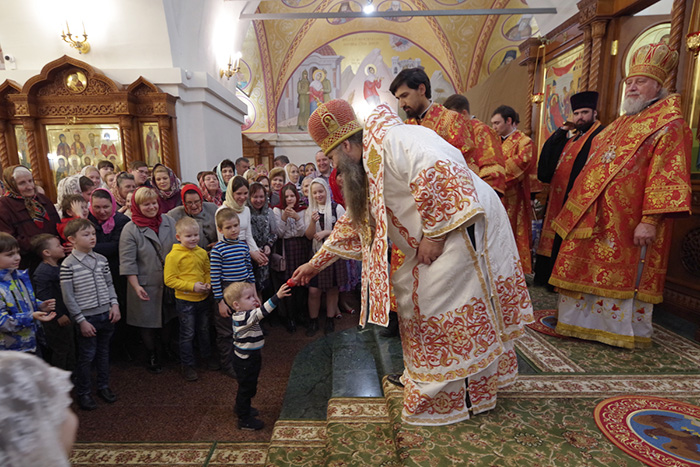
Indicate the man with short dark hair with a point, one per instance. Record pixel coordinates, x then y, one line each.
412 88
408 184
616 223
242 164
561 161
280 161
520 164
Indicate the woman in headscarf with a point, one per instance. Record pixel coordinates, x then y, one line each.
25 213
210 189
37 426
293 245
123 189
293 176
225 172
262 222
236 197
167 185
143 246
194 206
321 216
250 175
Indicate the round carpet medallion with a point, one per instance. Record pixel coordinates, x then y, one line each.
654 430
546 323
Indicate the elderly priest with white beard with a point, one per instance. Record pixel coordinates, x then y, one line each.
616 223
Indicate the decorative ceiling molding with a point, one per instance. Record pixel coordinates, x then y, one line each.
396 14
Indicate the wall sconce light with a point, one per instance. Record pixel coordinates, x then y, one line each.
81 46
233 67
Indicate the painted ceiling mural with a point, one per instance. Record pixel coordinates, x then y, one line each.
290 65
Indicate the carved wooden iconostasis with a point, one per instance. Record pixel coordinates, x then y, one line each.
71 115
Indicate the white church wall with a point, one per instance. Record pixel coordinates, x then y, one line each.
179 45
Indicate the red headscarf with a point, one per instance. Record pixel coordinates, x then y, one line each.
283 203
139 219
187 188
335 188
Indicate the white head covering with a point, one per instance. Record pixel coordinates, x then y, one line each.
324 209
67 186
33 402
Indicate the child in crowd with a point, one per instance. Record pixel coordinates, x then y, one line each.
248 342
187 272
72 207
60 337
88 292
18 305
320 219
230 262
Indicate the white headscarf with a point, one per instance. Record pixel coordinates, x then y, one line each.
33 403
324 209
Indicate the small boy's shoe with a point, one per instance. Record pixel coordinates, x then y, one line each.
253 412
250 424
86 402
189 373
107 395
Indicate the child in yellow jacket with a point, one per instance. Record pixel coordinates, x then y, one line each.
187 272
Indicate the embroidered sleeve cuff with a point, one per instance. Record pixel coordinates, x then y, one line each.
653 219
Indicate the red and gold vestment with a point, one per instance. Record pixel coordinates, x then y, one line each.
638 171
520 163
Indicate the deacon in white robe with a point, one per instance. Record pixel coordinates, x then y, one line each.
461 293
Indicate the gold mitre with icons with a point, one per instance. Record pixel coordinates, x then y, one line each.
332 123
654 61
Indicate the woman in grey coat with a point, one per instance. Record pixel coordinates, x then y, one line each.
143 246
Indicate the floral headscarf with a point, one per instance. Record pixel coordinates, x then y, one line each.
108 225
216 198
37 211
174 183
114 189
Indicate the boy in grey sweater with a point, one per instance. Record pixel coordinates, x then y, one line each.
89 296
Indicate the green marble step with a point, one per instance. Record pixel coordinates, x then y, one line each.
354 368
387 351
358 433
297 442
310 383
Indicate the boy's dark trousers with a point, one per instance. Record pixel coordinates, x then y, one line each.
194 322
94 348
247 372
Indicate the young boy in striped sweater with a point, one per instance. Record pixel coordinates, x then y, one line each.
248 342
230 262
89 296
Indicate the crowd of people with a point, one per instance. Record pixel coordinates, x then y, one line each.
139 258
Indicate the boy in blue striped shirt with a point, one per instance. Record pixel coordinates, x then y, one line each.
248 342
230 262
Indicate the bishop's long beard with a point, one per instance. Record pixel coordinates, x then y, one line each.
633 105
354 187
